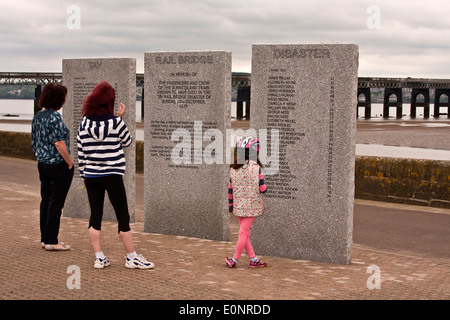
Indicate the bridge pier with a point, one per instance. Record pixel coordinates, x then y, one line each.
142 105
438 104
426 104
243 95
397 104
37 95
367 103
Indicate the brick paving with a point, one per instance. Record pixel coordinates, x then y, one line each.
190 268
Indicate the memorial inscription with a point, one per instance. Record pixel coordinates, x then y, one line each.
184 93
281 92
330 141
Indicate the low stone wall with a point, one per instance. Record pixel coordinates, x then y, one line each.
16 144
409 181
139 156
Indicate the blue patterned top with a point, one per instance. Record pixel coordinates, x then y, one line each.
47 128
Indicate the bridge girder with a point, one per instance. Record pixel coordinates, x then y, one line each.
238 80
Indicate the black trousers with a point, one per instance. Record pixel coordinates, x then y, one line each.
96 188
55 183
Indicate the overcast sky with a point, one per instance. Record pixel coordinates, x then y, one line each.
395 38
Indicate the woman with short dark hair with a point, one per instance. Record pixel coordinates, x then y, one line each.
50 141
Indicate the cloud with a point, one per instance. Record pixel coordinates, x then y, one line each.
412 38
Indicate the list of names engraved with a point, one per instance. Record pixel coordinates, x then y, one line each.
281 101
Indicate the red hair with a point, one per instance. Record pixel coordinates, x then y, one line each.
100 101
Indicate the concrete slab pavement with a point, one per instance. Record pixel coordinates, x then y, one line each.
189 268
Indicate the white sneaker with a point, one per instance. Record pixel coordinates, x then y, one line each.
101 263
139 262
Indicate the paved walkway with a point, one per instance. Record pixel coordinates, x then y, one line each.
189 268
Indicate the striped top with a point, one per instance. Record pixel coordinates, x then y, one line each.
100 140
244 190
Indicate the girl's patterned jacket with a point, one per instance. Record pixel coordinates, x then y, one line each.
244 190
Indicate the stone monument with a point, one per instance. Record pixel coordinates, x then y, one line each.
80 76
187 112
308 93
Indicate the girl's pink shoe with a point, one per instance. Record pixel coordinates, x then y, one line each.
230 262
257 264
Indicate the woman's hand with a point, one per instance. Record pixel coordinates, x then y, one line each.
121 111
62 149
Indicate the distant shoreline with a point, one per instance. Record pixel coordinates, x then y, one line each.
1 98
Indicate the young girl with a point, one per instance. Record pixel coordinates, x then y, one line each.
244 196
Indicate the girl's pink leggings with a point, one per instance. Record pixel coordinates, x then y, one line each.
245 223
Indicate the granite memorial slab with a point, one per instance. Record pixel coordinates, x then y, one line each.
187 111
80 76
307 92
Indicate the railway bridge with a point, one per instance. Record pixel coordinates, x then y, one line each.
394 90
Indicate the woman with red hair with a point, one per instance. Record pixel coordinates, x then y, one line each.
101 162
100 101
